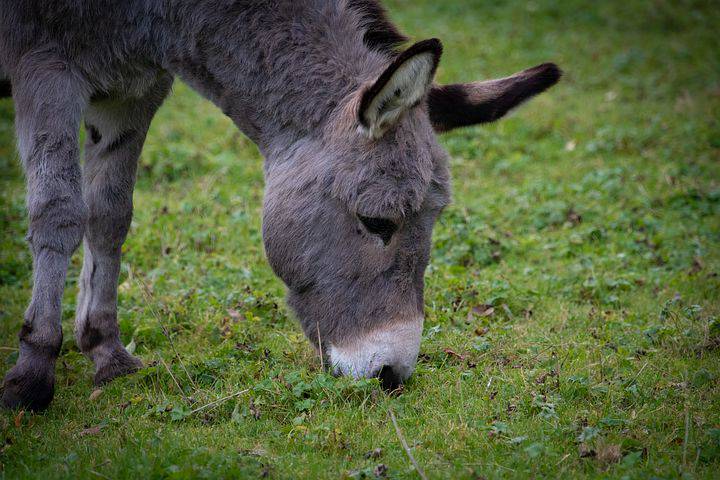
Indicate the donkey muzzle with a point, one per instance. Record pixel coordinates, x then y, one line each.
388 352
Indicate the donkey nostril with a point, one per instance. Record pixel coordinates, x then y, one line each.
389 379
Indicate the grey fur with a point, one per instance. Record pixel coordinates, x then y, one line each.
117 131
288 73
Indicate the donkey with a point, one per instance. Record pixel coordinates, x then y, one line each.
346 120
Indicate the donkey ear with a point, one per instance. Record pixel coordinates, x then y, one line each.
460 105
400 87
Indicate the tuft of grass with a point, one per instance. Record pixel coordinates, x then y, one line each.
573 318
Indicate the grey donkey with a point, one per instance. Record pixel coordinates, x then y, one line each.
346 120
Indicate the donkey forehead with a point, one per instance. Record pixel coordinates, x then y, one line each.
393 175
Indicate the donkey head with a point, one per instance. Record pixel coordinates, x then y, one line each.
348 217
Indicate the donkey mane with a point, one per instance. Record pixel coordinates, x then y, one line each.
380 34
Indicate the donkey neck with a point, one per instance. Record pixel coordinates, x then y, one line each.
278 69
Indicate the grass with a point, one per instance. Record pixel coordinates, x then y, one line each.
573 313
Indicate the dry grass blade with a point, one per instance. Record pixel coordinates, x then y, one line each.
322 360
219 401
686 437
98 474
419 470
177 384
148 297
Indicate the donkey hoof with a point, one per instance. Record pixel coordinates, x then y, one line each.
120 363
27 389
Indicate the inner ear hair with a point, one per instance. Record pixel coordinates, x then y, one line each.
461 105
401 86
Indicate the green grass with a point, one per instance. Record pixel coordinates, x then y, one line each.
589 221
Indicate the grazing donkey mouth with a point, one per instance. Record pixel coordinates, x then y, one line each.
389 352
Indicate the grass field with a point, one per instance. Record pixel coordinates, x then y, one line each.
572 301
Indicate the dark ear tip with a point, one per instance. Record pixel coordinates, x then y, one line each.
549 73
433 45
436 44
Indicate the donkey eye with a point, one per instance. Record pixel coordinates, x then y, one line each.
382 227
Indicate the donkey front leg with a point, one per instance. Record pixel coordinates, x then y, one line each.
116 131
49 100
